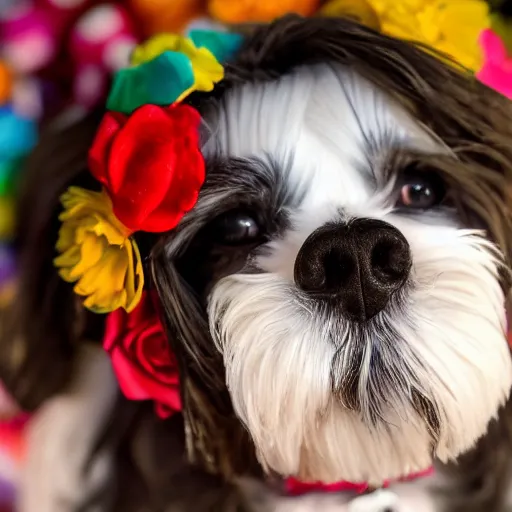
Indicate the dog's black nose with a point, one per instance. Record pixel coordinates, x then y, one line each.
359 264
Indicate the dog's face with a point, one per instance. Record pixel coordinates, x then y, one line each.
355 298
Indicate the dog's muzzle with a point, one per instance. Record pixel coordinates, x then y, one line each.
359 265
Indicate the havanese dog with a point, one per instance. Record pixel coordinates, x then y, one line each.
336 300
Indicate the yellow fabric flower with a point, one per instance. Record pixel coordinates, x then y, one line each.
207 70
97 253
450 26
359 10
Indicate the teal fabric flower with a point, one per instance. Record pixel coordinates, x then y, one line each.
160 81
167 68
223 45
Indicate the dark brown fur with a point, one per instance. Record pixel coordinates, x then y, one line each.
45 325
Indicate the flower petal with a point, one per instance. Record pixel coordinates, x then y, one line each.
98 154
165 143
451 26
172 404
132 381
141 357
159 82
113 328
168 67
136 384
187 180
91 251
107 275
155 46
223 45
207 71
134 281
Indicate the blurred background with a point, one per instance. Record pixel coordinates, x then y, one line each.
57 58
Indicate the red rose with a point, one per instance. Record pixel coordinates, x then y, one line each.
150 164
141 357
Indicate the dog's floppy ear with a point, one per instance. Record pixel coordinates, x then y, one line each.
39 331
215 438
471 120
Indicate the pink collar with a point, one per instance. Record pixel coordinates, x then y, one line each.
295 487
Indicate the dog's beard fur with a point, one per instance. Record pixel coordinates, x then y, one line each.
322 397
425 376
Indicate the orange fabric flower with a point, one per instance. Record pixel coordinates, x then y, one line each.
158 16
240 11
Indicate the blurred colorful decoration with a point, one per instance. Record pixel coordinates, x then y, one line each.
64 52
31 33
8 409
240 11
6 217
449 26
502 26
496 43
11 452
7 275
497 69
8 177
501 21
156 16
18 136
5 82
99 45
360 10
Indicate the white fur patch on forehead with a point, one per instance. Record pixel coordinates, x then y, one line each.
329 122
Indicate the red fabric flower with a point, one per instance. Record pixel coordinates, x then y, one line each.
143 362
150 164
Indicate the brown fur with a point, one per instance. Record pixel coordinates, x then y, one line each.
41 331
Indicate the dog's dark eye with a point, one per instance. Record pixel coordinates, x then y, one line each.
421 192
236 228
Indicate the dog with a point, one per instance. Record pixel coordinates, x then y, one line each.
336 300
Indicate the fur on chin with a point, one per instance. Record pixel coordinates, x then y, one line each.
279 351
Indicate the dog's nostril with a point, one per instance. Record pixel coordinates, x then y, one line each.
390 258
324 266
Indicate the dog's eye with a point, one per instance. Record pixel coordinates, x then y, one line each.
236 228
421 192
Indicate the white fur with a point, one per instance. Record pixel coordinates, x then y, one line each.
278 348
60 440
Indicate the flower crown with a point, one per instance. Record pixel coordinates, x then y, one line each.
147 161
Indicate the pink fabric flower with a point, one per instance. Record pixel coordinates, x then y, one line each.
497 69
142 359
